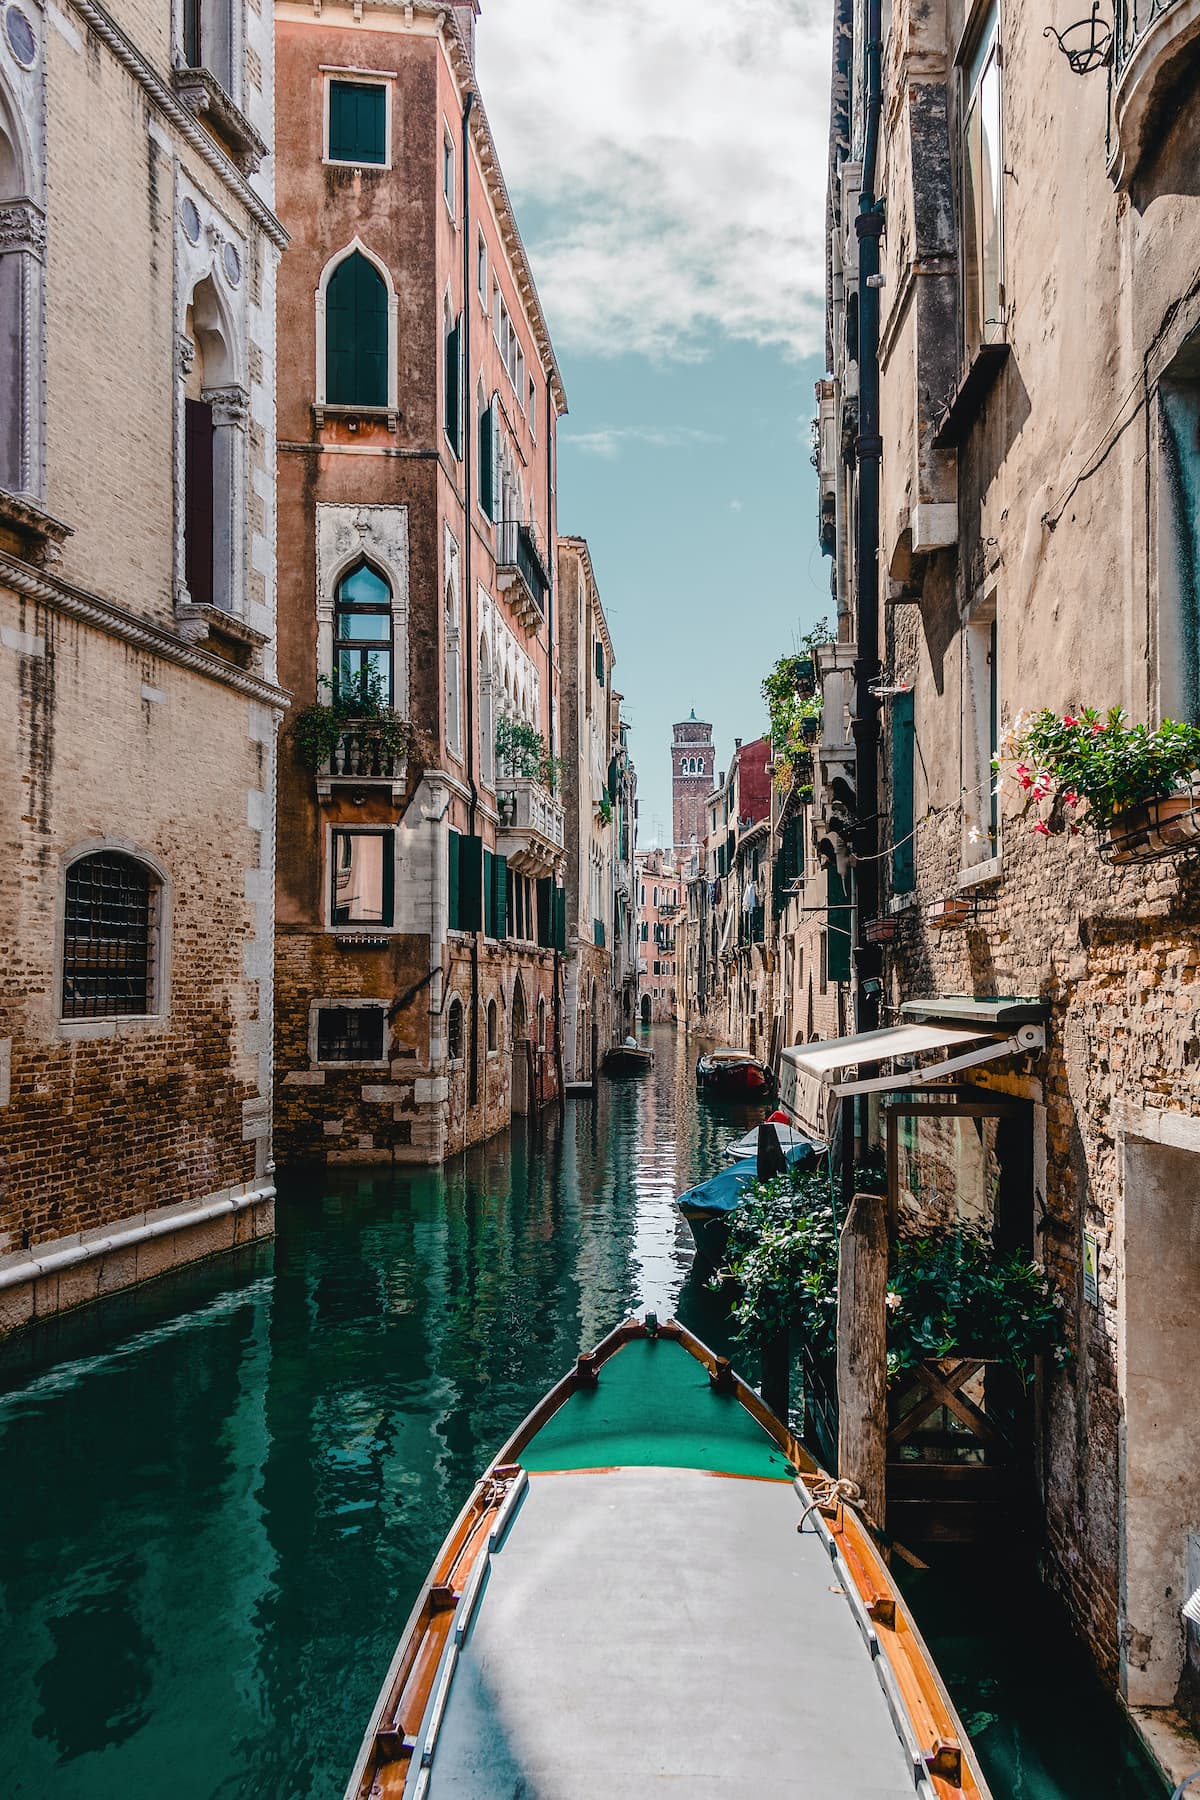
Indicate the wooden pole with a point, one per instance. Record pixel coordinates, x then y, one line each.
862 1351
776 1373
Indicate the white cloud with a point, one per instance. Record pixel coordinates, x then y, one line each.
609 440
678 149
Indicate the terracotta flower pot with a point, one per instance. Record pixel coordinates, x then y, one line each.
1157 827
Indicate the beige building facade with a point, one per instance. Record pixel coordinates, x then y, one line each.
140 705
1039 405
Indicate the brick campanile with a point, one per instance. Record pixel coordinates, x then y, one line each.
693 772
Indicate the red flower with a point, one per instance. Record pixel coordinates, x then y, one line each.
1070 719
1042 826
1097 726
1070 798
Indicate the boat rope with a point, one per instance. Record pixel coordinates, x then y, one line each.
828 1489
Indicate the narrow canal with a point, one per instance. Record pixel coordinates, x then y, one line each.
218 1497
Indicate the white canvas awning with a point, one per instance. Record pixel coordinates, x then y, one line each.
813 1076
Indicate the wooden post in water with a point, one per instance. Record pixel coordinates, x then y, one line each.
862 1350
776 1358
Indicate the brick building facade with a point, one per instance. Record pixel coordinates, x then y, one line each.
1037 547
421 913
693 772
140 707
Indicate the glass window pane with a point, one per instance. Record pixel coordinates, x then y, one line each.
358 877
363 625
363 587
991 174
972 314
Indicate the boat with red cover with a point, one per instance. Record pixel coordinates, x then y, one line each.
730 1074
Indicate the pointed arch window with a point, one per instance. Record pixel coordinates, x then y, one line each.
362 644
356 334
487 717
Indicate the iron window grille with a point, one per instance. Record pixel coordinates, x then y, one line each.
350 1034
108 937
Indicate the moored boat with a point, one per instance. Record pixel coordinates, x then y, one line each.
605 1616
731 1074
629 1058
709 1206
745 1148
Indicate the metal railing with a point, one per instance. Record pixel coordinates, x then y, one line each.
518 547
1132 19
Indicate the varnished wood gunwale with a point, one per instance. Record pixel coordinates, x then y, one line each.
382 1767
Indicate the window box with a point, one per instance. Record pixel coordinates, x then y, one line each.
881 931
206 100
1160 828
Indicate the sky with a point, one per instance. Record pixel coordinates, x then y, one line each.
667 163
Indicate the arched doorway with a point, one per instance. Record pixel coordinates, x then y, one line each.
520 1051
595 1038
645 1009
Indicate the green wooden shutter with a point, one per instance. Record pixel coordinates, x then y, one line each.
453 918
356 335
545 912
839 928
489 894
500 896
470 884
357 122
454 385
904 858
487 461
389 878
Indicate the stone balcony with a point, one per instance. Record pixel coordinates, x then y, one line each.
521 571
531 832
1155 43
362 758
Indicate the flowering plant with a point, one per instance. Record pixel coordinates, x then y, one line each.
1094 758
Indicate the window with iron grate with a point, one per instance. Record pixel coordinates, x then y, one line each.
109 929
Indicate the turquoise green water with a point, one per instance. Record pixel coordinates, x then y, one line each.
219 1497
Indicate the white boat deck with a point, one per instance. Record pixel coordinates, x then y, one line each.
657 1630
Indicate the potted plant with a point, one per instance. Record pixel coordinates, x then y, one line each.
1137 786
319 731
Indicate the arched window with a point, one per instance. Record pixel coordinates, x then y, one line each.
110 937
452 377
454 1030
362 642
487 717
487 452
493 1028
22 267
542 1023
215 410
356 334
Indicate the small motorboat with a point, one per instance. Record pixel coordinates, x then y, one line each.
606 1618
730 1074
627 1058
709 1206
745 1149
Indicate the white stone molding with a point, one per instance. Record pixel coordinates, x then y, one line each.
22 271
158 1012
347 535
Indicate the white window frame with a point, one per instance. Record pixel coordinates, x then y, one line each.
345 1004
450 161
384 78
980 719
361 927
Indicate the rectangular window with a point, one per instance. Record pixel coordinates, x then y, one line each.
465 883
904 851
837 938
481 267
1177 475
448 171
350 1034
198 500
363 877
495 895
357 123
981 732
982 191
487 460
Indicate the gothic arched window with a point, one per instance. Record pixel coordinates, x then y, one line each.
356 334
362 644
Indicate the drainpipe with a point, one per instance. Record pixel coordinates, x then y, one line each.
468 585
865 728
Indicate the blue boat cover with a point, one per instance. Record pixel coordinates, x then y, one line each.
722 1193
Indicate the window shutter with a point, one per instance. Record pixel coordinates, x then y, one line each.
560 918
489 894
453 919
839 928
389 878
904 860
357 123
487 461
198 500
454 385
500 896
545 912
470 884
356 335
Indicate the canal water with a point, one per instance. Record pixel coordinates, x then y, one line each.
219 1496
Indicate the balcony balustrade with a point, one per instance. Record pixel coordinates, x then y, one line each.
364 757
531 833
521 571
1154 42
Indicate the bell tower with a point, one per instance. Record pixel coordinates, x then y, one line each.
693 774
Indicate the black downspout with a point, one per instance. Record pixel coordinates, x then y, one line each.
866 885
464 401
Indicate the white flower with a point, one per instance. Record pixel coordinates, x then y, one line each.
974 835
893 1300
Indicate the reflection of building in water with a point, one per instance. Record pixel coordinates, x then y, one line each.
948 1173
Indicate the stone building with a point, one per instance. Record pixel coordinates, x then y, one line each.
421 913
598 908
1035 331
137 605
659 898
693 769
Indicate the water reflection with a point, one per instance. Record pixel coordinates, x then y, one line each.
218 1497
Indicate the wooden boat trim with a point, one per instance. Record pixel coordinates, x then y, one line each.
437 1626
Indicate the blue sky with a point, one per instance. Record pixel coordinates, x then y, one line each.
667 162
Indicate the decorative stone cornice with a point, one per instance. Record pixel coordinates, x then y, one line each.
23 227
204 97
99 21
102 615
38 535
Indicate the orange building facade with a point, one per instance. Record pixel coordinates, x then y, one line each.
419 896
